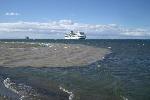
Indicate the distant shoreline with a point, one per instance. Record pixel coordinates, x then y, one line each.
24 54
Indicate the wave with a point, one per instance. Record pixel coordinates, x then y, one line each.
71 95
25 92
124 98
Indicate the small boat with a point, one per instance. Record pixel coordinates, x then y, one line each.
27 38
75 35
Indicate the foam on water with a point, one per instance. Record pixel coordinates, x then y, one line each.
124 98
25 92
71 95
109 47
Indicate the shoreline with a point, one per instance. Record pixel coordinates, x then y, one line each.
23 54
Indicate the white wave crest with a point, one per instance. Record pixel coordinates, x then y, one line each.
71 95
25 92
124 98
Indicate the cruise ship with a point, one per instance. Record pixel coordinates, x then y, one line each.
75 35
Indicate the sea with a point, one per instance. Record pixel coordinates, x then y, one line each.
124 74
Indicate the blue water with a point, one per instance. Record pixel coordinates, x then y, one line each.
122 75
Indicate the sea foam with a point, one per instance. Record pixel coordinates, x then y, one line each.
71 95
25 92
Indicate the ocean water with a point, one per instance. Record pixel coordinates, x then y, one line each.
122 75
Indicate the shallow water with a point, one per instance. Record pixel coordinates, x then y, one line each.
125 73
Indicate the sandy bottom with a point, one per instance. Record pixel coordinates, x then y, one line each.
49 54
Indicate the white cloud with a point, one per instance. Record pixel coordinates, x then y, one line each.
62 26
12 14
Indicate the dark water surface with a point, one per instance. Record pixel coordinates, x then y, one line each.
122 75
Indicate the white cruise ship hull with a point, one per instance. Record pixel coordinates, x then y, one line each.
75 35
74 38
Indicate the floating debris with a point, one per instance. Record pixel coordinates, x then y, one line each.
65 47
77 47
50 46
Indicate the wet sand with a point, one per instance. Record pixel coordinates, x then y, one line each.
49 54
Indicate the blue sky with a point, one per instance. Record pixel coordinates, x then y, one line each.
129 17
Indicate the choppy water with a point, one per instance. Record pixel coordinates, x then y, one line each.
122 75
